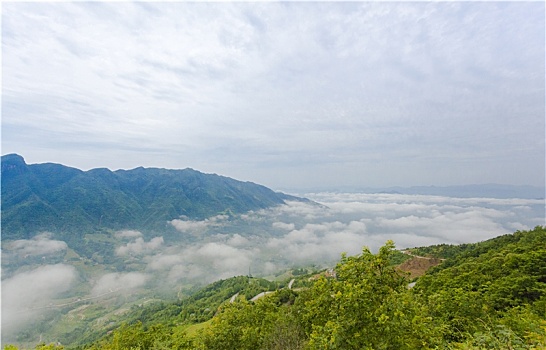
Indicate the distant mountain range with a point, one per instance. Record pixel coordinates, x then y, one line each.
462 191
54 197
469 191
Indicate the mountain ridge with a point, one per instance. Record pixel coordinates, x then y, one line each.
54 197
485 190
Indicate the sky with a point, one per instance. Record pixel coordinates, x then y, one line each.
285 94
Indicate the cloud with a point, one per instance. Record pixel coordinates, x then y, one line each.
196 226
162 262
220 256
320 243
295 209
348 221
25 295
451 220
207 261
188 225
119 282
128 234
296 234
238 241
309 94
139 246
220 260
284 226
38 245
299 233
465 227
305 233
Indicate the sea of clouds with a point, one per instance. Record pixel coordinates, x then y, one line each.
300 233
264 242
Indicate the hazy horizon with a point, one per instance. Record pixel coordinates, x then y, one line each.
493 190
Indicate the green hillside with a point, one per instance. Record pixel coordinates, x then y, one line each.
197 308
56 198
489 295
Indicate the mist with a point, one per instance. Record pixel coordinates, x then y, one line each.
118 282
27 296
263 242
299 234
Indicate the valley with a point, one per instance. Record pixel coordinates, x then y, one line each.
76 286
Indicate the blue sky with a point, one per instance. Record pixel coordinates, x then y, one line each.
289 95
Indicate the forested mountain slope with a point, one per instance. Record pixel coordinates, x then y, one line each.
503 272
489 295
53 197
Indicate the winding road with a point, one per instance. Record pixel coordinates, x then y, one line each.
262 294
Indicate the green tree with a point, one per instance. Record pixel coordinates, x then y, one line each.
367 306
10 347
51 346
268 323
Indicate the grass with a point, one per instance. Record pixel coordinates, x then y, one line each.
193 329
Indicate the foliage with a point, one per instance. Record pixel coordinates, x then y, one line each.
266 324
41 346
366 307
137 336
299 272
504 272
488 296
50 346
202 305
441 251
396 257
492 291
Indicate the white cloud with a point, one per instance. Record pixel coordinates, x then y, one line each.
198 226
162 262
223 260
25 295
336 93
284 226
128 234
451 220
188 225
38 245
349 221
320 243
119 282
238 241
139 246
298 233
206 261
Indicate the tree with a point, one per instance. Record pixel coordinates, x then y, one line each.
367 306
51 346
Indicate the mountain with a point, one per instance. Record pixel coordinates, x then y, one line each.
463 191
54 197
478 191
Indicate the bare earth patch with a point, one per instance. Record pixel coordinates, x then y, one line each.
417 266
